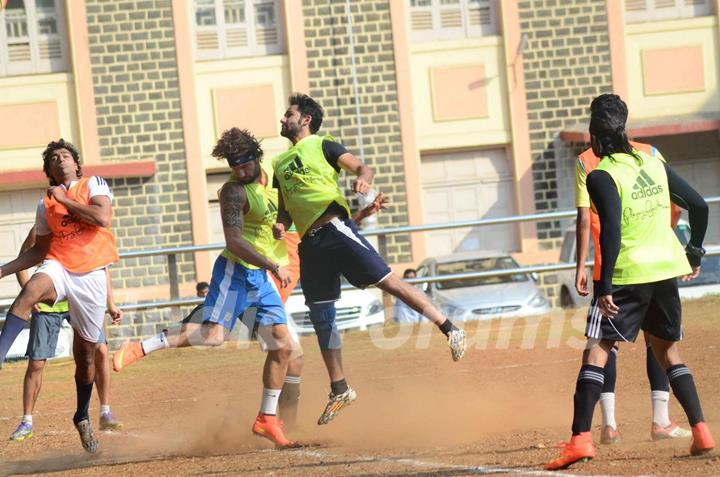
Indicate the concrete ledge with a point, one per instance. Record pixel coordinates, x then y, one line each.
25 179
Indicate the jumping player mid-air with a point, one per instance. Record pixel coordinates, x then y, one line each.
45 326
310 197
75 245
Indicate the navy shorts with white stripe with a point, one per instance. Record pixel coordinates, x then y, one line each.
334 249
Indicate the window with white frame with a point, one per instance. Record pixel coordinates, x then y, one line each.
33 37
452 19
637 11
234 28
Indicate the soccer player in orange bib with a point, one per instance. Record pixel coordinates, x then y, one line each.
75 245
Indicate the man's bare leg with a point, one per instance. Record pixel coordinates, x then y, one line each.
32 384
108 422
280 348
31 390
419 302
188 334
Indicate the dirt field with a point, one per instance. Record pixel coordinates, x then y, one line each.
500 410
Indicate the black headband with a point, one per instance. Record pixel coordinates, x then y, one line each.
240 160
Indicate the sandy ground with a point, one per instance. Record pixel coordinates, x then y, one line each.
500 410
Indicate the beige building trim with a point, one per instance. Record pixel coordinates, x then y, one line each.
411 155
616 37
296 50
520 146
195 170
76 21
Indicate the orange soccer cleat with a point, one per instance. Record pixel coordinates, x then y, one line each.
129 352
609 435
702 440
271 428
580 448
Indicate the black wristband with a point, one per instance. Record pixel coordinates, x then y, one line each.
694 254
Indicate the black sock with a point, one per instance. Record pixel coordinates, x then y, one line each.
683 387
447 327
84 393
289 399
610 372
338 387
587 392
656 375
12 328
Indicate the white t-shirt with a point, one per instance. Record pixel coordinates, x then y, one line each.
96 186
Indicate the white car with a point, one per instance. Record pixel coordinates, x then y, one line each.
63 348
707 283
486 297
356 309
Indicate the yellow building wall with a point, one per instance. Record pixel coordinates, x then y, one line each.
45 105
692 40
431 65
249 93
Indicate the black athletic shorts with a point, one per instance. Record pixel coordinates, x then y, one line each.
334 249
653 307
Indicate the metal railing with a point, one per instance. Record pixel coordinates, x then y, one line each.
381 233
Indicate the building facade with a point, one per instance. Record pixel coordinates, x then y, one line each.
466 109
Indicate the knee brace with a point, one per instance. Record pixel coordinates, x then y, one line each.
322 316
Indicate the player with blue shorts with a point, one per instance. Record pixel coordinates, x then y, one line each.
241 284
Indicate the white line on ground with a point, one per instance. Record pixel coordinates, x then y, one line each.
482 470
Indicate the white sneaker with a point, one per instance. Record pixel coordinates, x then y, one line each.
87 436
23 431
456 341
673 431
335 404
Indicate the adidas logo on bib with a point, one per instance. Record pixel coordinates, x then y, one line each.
645 187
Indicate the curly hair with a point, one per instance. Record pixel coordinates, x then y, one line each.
237 142
308 107
54 146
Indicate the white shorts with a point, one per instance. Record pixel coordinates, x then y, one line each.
86 294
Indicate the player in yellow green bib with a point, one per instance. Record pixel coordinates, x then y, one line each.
240 280
632 193
307 176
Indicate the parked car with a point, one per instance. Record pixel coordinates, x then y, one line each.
706 284
486 297
356 309
63 348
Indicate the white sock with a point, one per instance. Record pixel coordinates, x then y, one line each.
660 400
104 409
292 379
27 418
155 343
607 406
269 402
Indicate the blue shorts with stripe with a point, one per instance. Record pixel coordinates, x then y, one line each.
334 249
234 289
